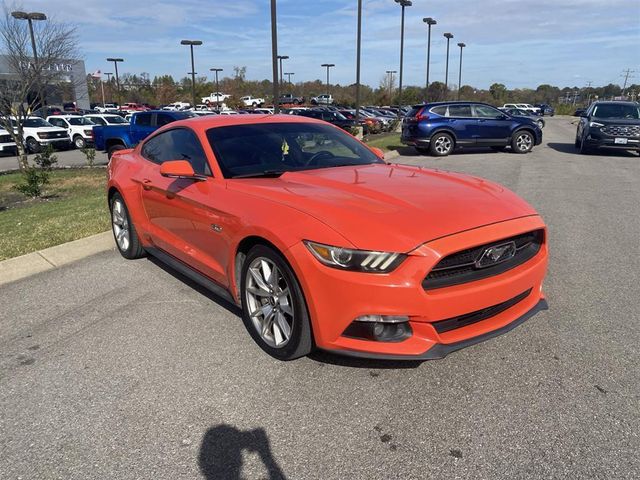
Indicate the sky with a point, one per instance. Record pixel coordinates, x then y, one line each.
518 43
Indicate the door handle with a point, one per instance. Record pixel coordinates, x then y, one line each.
146 184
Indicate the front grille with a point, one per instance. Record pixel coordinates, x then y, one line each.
621 130
460 267
5 139
442 326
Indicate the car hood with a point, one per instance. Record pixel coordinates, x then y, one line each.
390 207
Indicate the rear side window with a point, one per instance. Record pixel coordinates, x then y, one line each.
414 111
98 120
177 144
143 119
164 119
459 111
441 110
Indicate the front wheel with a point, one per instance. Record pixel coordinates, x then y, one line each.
522 142
124 232
441 144
33 146
274 310
79 142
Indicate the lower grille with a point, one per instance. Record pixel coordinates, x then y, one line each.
621 130
5 139
442 326
464 266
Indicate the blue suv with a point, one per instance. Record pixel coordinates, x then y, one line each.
438 128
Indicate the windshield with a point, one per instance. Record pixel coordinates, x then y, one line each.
270 149
79 121
35 122
609 110
115 120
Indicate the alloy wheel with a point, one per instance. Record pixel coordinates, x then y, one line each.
443 145
120 225
524 142
269 302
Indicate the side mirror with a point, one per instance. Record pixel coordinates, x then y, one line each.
378 152
179 169
584 115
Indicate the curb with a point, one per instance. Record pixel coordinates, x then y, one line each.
54 257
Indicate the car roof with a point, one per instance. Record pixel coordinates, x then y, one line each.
615 102
456 102
213 121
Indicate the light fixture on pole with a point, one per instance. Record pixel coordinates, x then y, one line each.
288 74
30 17
403 4
115 63
429 21
461 45
191 43
448 36
281 58
328 66
390 73
216 70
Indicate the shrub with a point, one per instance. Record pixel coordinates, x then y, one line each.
34 178
90 154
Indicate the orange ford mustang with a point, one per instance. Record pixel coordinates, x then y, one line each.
325 245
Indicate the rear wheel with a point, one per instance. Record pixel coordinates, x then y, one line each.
522 142
124 232
540 124
441 144
112 149
274 310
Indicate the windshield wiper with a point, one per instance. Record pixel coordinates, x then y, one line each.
263 174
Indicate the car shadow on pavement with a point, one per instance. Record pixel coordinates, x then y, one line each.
354 362
234 309
570 148
221 451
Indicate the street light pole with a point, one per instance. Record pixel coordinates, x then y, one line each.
328 66
30 17
274 56
390 73
448 36
358 48
461 45
281 58
115 63
429 21
216 70
191 43
403 4
288 74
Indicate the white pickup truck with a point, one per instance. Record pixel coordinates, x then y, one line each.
80 128
249 101
39 133
215 97
6 142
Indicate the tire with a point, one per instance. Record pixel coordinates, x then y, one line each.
422 150
522 142
441 145
114 148
577 143
124 232
287 335
296 102
79 142
583 149
499 148
540 124
254 104
33 146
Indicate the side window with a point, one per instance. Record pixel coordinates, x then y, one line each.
143 119
58 122
98 120
441 110
463 111
163 119
177 144
484 111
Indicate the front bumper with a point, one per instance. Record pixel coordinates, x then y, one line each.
336 297
596 139
56 142
8 147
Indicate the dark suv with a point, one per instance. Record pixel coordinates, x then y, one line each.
438 128
609 125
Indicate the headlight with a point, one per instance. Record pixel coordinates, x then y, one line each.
43 134
596 124
355 260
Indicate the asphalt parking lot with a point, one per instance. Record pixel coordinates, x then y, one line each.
123 369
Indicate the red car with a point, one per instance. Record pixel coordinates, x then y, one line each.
322 243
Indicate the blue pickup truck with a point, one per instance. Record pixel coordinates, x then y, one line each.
109 138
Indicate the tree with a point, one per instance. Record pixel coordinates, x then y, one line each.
498 91
21 92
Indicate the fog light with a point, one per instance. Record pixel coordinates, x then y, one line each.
380 328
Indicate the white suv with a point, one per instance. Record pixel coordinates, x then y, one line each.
324 99
80 128
39 133
6 142
106 108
